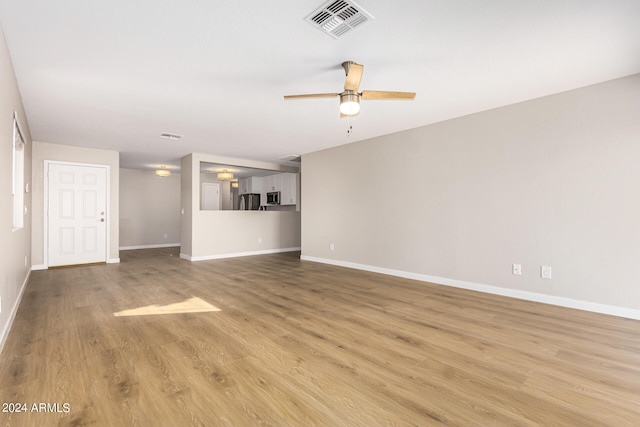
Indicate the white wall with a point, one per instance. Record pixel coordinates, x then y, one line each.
149 209
187 201
220 234
15 246
553 181
65 153
224 234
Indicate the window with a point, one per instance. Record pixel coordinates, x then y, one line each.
18 175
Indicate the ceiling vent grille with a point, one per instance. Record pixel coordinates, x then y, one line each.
337 17
168 135
292 158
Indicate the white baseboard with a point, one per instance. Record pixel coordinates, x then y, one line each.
163 245
14 311
237 254
513 293
44 267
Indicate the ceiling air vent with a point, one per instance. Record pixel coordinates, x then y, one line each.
168 135
336 17
292 158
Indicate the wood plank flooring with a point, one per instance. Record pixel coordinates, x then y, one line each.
304 344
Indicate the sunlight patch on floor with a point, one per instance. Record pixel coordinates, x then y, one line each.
191 305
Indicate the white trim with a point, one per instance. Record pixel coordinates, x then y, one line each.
162 245
14 311
14 190
524 295
237 254
45 205
44 267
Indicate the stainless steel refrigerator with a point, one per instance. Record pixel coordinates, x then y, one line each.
249 202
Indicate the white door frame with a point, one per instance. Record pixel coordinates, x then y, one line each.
46 206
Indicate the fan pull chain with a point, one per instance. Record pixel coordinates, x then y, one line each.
350 129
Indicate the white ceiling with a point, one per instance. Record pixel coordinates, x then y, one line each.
116 74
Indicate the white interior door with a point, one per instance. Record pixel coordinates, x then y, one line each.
210 197
77 220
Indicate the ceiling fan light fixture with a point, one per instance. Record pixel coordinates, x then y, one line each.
350 97
349 104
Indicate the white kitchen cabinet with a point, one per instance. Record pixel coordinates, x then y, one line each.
249 185
285 183
288 189
263 190
243 185
273 182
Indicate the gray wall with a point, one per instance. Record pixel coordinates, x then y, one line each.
15 246
149 209
552 181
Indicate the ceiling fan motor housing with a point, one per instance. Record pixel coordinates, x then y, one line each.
346 65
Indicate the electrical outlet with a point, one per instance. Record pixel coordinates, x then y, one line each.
259 239
166 236
25 261
332 246
517 269
545 272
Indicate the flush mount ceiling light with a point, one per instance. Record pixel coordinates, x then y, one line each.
163 171
234 183
225 175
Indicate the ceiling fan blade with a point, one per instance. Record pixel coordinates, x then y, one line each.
381 94
354 75
312 95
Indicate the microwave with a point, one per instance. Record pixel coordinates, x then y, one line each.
273 198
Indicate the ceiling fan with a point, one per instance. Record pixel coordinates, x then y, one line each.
350 98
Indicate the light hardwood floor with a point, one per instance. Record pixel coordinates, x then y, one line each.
304 344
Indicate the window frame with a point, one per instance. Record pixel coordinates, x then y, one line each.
17 175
